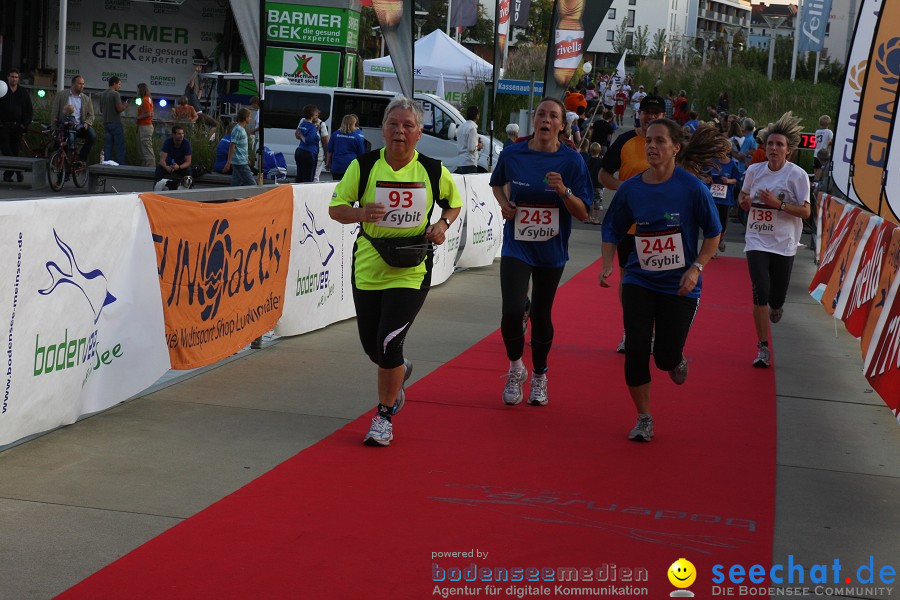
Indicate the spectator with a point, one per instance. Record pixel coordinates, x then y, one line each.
308 149
112 107
468 143
253 128
693 123
512 133
574 99
145 125
69 126
744 155
670 105
824 139
16 113
722 105
175 156
682 108
193 91
594 163
238 152
323 144
84 114
344 147
183 111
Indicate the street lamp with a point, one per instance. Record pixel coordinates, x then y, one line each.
421 17
731 31
707 36
774 22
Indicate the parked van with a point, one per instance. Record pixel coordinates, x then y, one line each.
284 109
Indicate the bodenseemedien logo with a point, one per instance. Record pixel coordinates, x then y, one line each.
682 575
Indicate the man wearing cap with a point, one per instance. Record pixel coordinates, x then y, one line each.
627 157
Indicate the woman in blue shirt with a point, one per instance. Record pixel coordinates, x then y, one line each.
344 146
307 153
661 285
541 185
721 179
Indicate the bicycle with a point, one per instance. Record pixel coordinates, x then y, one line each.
64 163
43 141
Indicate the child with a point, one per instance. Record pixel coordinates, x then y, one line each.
594 163
824 138
69 125
238 156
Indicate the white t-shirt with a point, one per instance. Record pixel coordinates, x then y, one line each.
823 138
769 229
609 96
467 144
636 99
323 133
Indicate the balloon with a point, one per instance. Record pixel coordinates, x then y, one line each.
3 88
586 67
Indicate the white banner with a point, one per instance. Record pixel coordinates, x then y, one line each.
445 255
83 319
318 290
139 42
484 223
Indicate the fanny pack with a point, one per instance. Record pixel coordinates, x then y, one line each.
401 252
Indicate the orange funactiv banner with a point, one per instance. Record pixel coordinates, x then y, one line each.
864 290
889 270
843 263
222 271
835 233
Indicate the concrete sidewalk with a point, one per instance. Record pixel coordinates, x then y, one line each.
76 499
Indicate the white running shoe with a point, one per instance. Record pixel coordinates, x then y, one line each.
537 396
643 430
763 357
380 433
512 391
621 347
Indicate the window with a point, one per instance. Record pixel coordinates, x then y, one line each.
369 109
631 18
632 2
629 40
611 15
437 122
610 35
285 109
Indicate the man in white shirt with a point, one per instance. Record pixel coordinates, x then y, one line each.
636 104
468 142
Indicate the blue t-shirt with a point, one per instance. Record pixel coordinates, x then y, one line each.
222 153
344 147
728 169
526 171
310 141
693 124
176 156
682 205
747 148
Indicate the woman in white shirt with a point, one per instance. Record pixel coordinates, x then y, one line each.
776 194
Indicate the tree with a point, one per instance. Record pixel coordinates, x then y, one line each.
538 28
641 41
482 32
620 37
659 44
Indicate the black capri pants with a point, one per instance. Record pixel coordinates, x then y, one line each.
383 318
644 310
770 276
514 277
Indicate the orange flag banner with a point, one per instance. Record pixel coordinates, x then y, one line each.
864 291
843 261
222 271
889 271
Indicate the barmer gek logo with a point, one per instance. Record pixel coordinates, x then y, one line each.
93 284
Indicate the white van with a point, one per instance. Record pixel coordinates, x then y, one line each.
284 109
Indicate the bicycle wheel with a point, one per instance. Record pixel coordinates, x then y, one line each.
56 171
78 169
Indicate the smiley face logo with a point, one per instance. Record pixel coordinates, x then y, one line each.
682 573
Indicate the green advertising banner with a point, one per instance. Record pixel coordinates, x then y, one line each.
349 70
312 25
307 67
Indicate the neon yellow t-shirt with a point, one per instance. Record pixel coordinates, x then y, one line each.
370 272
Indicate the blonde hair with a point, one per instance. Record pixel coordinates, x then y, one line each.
348 123
708 147
788 126
69 109
595 149
824 121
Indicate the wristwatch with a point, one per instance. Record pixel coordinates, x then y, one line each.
568 192
781 207
445 220
699 266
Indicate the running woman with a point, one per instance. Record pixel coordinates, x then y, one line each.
541 185
661 285
388 298
776 193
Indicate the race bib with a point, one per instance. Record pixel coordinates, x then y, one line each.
762 219
536 223
406 203
719 190
660 251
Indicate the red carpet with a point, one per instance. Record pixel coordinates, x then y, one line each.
547 488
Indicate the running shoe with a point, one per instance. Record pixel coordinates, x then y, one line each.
512 391
643 430
401 397
722 245
538 394
679 374
762 357
380 433
775 314
621 347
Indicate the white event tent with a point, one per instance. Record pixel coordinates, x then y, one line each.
436 55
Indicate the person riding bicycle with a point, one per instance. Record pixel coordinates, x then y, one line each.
68 126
